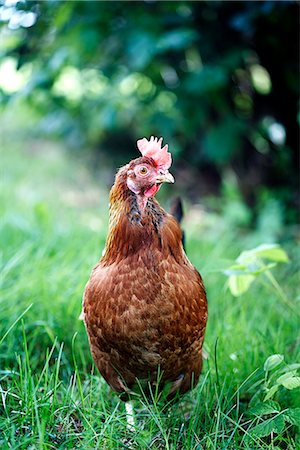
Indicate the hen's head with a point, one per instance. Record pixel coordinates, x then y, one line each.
146 174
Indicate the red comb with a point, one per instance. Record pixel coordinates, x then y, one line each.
153 150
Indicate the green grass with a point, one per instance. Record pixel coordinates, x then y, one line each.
53 226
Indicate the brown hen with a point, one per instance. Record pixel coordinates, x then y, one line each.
145 307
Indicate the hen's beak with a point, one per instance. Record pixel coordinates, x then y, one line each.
166 177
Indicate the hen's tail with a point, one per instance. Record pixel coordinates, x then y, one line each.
176 210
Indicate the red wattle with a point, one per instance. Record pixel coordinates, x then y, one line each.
152 191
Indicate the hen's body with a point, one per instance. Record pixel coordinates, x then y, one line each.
145 306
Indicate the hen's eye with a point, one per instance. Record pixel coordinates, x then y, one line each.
143 170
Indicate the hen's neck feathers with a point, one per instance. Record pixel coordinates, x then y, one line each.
133 229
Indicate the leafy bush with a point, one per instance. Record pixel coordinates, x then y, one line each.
214 78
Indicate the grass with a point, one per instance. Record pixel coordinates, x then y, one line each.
53 228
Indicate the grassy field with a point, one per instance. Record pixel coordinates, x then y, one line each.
53 225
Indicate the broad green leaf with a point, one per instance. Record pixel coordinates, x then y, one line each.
272 252
271 392
289 368
238 284
293 416
264 408
249 266
291 383
286 376
273 361
279 424
265 428
293 366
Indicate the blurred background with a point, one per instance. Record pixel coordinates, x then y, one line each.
218 80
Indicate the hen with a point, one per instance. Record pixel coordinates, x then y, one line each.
144 306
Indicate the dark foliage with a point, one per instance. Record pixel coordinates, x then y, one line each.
219 80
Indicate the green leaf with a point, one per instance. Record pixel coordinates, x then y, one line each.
271 392
291 383
238 284
264 408
249 266
286 376
272 252
272 362
293 416
265 428
289 368
279 423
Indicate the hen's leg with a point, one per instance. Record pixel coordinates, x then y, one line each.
129 416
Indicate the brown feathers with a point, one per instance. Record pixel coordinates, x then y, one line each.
145 306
